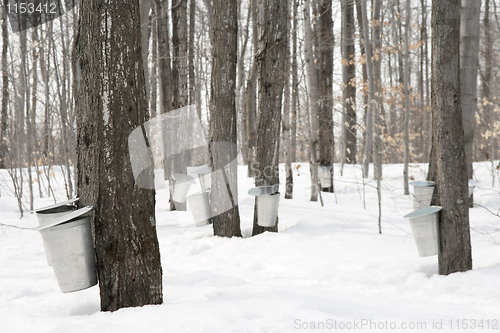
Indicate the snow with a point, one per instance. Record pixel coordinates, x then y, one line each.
327 266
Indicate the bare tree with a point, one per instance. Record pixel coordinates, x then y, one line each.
154 62
312 86
489 150
111 103
469 63
145 8
223 115
286 126
324 54
371 94
251 93
273 36
407 97
448 141
295 84
5 92
349 82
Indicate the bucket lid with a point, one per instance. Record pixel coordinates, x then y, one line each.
423 183
66 218
423 212
183 178
199 170
268 189
56 205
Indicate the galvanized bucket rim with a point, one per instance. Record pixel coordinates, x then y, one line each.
66 218
199 170
264 190
423 212
423 183
183 178
63 203
55 210
77 221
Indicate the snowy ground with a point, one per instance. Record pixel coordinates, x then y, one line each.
326 270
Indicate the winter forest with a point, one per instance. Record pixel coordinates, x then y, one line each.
250 165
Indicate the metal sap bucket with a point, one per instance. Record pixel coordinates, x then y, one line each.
45 215
200 208
422 193
425 227
325 176
202 172
68 243
159 179
472 185
268 199
182 185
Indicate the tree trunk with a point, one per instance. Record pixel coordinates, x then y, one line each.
223 116
251 95
180 75
451 165
469 63
23 114
407 98
295 85
154 63
371 93
145 8
34 97
312 87
164 57
5 92
486 83
112 103
325 87
240 90
192 78
377 78
359 14
273 36
286 119
349 82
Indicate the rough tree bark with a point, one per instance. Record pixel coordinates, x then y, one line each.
324 54
349 82
312 86
406 82
111 103
251 94
154 63
371 93
287 139
295 84
164 56
5 91
359 15
192 78
469 63
223 113
451 169
377 78
145 8
273 36
489 151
